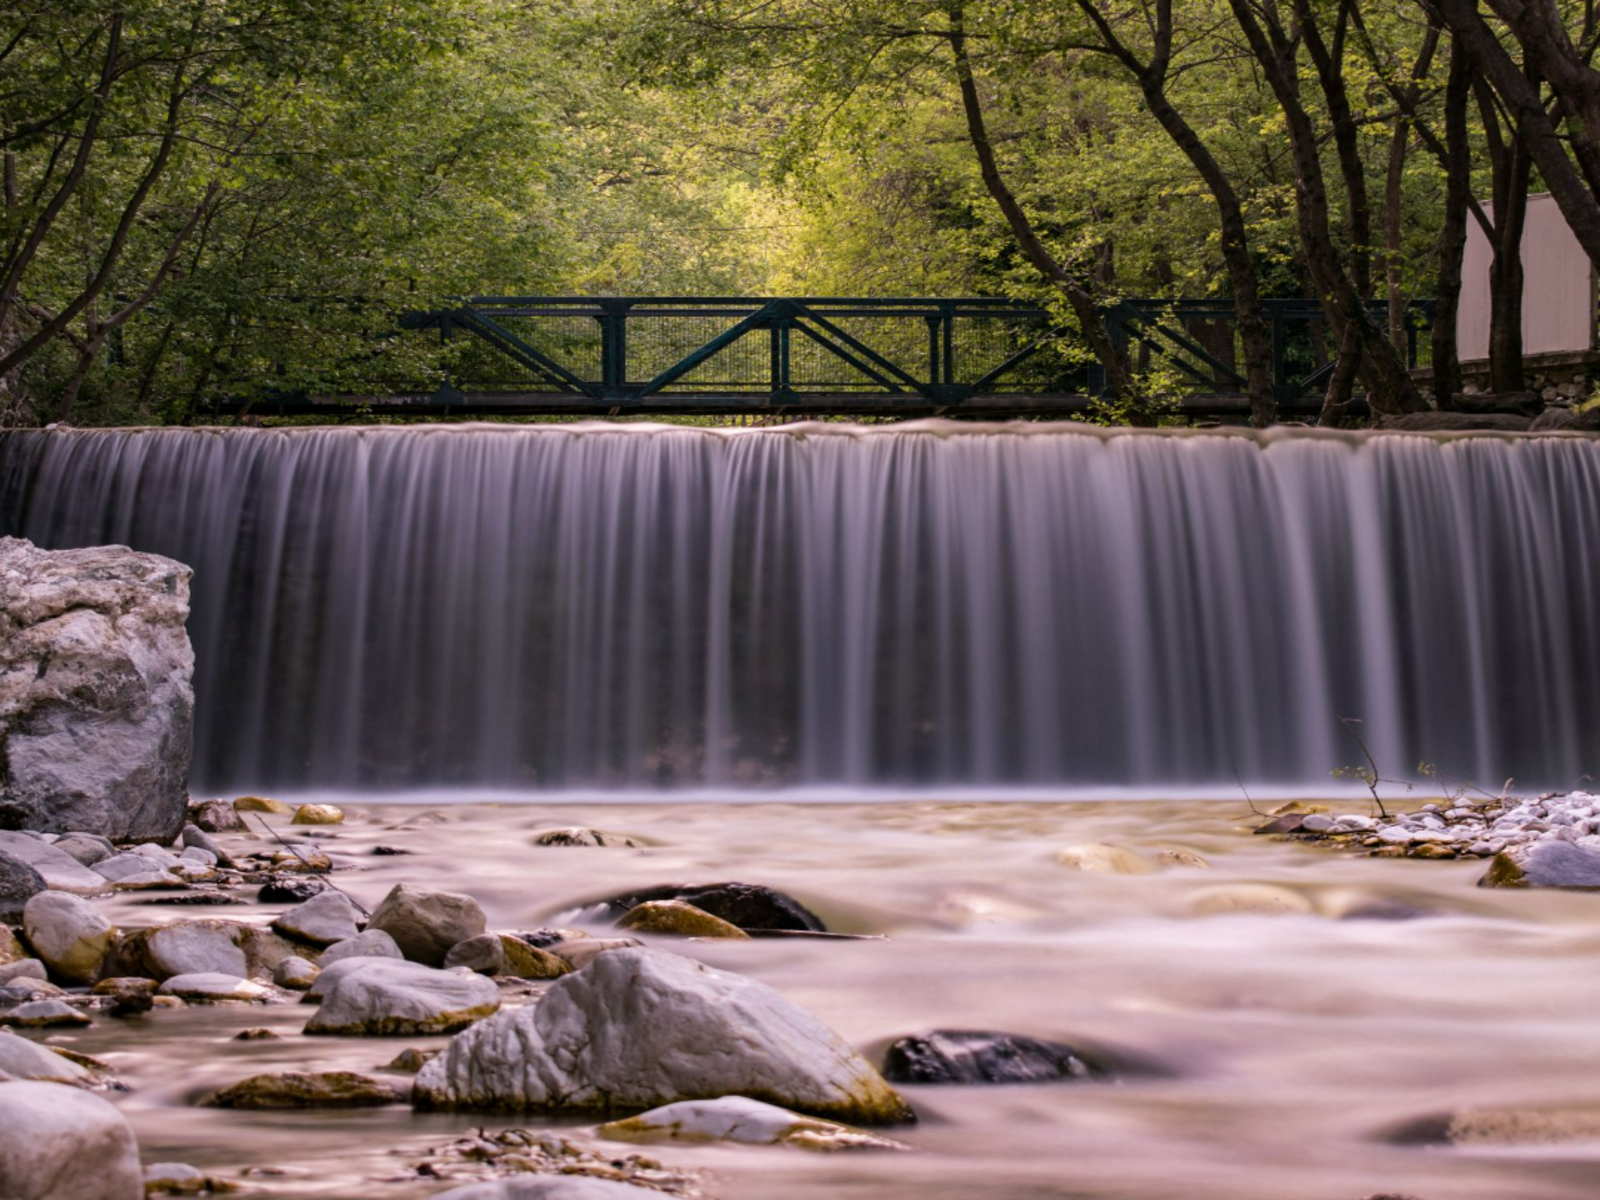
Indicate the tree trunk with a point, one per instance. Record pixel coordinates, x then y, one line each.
1084 307
1453 236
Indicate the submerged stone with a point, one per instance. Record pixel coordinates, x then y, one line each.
748 905
297 1089
976 1056
740 1119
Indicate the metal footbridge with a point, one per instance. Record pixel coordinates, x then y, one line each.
783 357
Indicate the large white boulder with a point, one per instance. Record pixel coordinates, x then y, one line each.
71 935
96 705
388 996
638 1028
62 1143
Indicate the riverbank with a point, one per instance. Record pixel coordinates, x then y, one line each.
1262 1055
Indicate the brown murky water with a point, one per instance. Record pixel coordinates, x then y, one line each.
1286 1044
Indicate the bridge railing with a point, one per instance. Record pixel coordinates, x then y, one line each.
820 354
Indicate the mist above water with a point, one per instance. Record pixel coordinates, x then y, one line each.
911 606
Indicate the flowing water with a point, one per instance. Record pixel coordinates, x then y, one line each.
912 606
1277 1050
882 618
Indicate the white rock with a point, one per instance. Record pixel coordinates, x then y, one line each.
326 918
369 943
199 854
71 935
383 997
24 1059
548 1187
205 987
63 1143
59 870
740 1119
639 1028
96 707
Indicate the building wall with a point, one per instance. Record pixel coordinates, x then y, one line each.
1558 295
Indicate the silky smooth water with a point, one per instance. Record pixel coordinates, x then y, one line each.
1039 606
1279 1052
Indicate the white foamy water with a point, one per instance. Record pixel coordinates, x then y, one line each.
929 606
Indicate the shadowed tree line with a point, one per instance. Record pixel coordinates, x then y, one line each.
205 196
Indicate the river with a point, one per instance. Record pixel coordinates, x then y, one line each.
1268 1055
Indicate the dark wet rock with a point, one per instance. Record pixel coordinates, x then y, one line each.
1451 422
295 1089
96 707
425 924
583 837
290 889
257 1034
64 1143
1522 404
390 851
973 1056
1552 419
1549 863
19 883
750 906
543 939
216 816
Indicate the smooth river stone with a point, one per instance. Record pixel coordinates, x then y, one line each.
57 868
63 1143
425 924
639 1028
383 997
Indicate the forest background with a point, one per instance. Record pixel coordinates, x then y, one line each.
239 197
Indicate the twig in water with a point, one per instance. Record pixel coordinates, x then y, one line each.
312 867
1369 776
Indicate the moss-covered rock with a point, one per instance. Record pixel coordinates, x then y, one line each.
296 1089
677 918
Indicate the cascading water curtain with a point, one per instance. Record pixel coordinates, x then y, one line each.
568 606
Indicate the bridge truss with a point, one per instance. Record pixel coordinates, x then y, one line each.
612 356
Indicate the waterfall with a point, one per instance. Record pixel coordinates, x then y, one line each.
926 605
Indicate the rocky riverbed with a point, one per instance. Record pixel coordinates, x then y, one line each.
1178 1005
